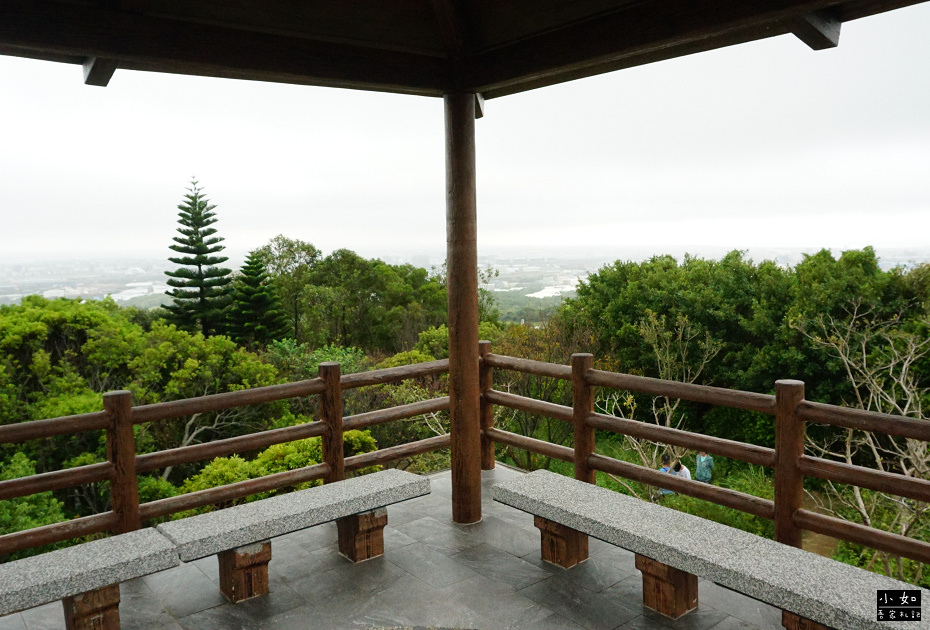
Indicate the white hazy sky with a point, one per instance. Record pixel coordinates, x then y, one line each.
768 144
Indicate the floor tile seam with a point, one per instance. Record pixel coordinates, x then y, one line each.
737 615
483 616
498 581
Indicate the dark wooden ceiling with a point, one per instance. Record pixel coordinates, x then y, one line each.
428 47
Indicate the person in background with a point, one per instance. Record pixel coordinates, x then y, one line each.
666 468
680 470
704 469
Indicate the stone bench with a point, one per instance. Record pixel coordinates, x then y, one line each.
674 548
239 536
85 577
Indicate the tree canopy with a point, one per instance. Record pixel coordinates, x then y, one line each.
200 286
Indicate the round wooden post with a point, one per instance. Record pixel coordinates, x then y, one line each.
462 287
331 412
582 406
486 382
789 447
121 452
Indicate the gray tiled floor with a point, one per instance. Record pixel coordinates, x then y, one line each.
434 573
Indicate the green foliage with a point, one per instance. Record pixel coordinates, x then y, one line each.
58 356
751 309
405 358
274 459
297 362
155 488
344 299
201 288
254 316
290 263
26 512
434 341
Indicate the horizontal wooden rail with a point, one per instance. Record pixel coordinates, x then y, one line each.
533 445
901 426
226 400
894 544
529 405
528 366
394 453
758 455
238 490
56 532
66 478
401 412
840 472
741 501
750 401
395 374
221 448
36 429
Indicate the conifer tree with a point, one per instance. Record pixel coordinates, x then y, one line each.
201 288
254 315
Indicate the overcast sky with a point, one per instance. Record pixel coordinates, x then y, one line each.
768 144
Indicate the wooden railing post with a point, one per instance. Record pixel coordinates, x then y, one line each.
485 383
582 407
121 452
789 447
331 411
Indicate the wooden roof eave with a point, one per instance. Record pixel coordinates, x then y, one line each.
61 31
105 35
619 40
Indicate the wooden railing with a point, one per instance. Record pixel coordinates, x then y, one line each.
123 464
787 459
788 406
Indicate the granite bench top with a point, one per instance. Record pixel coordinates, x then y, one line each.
206 534
821 589
52 576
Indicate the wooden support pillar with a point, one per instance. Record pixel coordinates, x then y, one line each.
244 571
561 545
331 411
789 447
792 621
361 536
93 610
486 382
582 407
121 451
667 590
462 287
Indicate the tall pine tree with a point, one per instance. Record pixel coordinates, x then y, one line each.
201 289
254 316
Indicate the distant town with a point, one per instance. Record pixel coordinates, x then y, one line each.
547 277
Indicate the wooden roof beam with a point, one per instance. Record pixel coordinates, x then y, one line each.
451 27
597 45
145 42
98 71
820 30
455 36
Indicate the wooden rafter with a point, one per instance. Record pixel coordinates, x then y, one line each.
819 30
99 71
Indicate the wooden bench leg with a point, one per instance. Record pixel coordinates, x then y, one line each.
244 571
792 621
361 536
667 590
561 545
93 610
